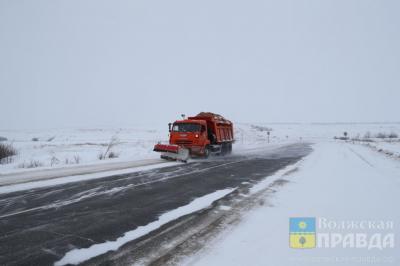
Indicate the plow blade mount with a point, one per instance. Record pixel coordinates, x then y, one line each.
172 152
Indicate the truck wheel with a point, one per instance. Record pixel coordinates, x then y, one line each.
224 149
206 152
229 148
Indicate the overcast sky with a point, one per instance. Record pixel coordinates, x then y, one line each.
118 63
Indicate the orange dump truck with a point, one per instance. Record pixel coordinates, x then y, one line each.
199 135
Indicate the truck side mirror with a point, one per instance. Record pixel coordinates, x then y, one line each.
169 127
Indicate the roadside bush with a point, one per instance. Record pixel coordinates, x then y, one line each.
113 155
31 164
100 156
381 135
368 140
6 152
109 155
356 138
113 142
77 159
261 128
54 160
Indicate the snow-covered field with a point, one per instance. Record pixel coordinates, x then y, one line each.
341 181
61 147
338 184
69 147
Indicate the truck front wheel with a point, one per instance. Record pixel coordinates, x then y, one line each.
206 152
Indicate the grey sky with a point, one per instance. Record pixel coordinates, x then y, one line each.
118 63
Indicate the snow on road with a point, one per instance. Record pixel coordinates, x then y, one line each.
80 255
79 178
105 169
338 182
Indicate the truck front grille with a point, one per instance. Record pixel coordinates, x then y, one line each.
184 142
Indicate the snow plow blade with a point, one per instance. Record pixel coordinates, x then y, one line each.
172 152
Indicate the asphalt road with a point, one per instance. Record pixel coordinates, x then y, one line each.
37 227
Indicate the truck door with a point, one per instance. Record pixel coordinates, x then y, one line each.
205 134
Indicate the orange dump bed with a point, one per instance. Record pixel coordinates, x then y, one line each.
221 127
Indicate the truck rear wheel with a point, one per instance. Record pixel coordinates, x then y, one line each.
224 149
229 148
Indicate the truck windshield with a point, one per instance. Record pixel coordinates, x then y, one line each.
186 127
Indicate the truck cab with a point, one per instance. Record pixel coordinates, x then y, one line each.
191 134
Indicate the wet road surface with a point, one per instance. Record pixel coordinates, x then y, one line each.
38 226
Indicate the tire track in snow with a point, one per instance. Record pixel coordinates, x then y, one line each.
361 157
